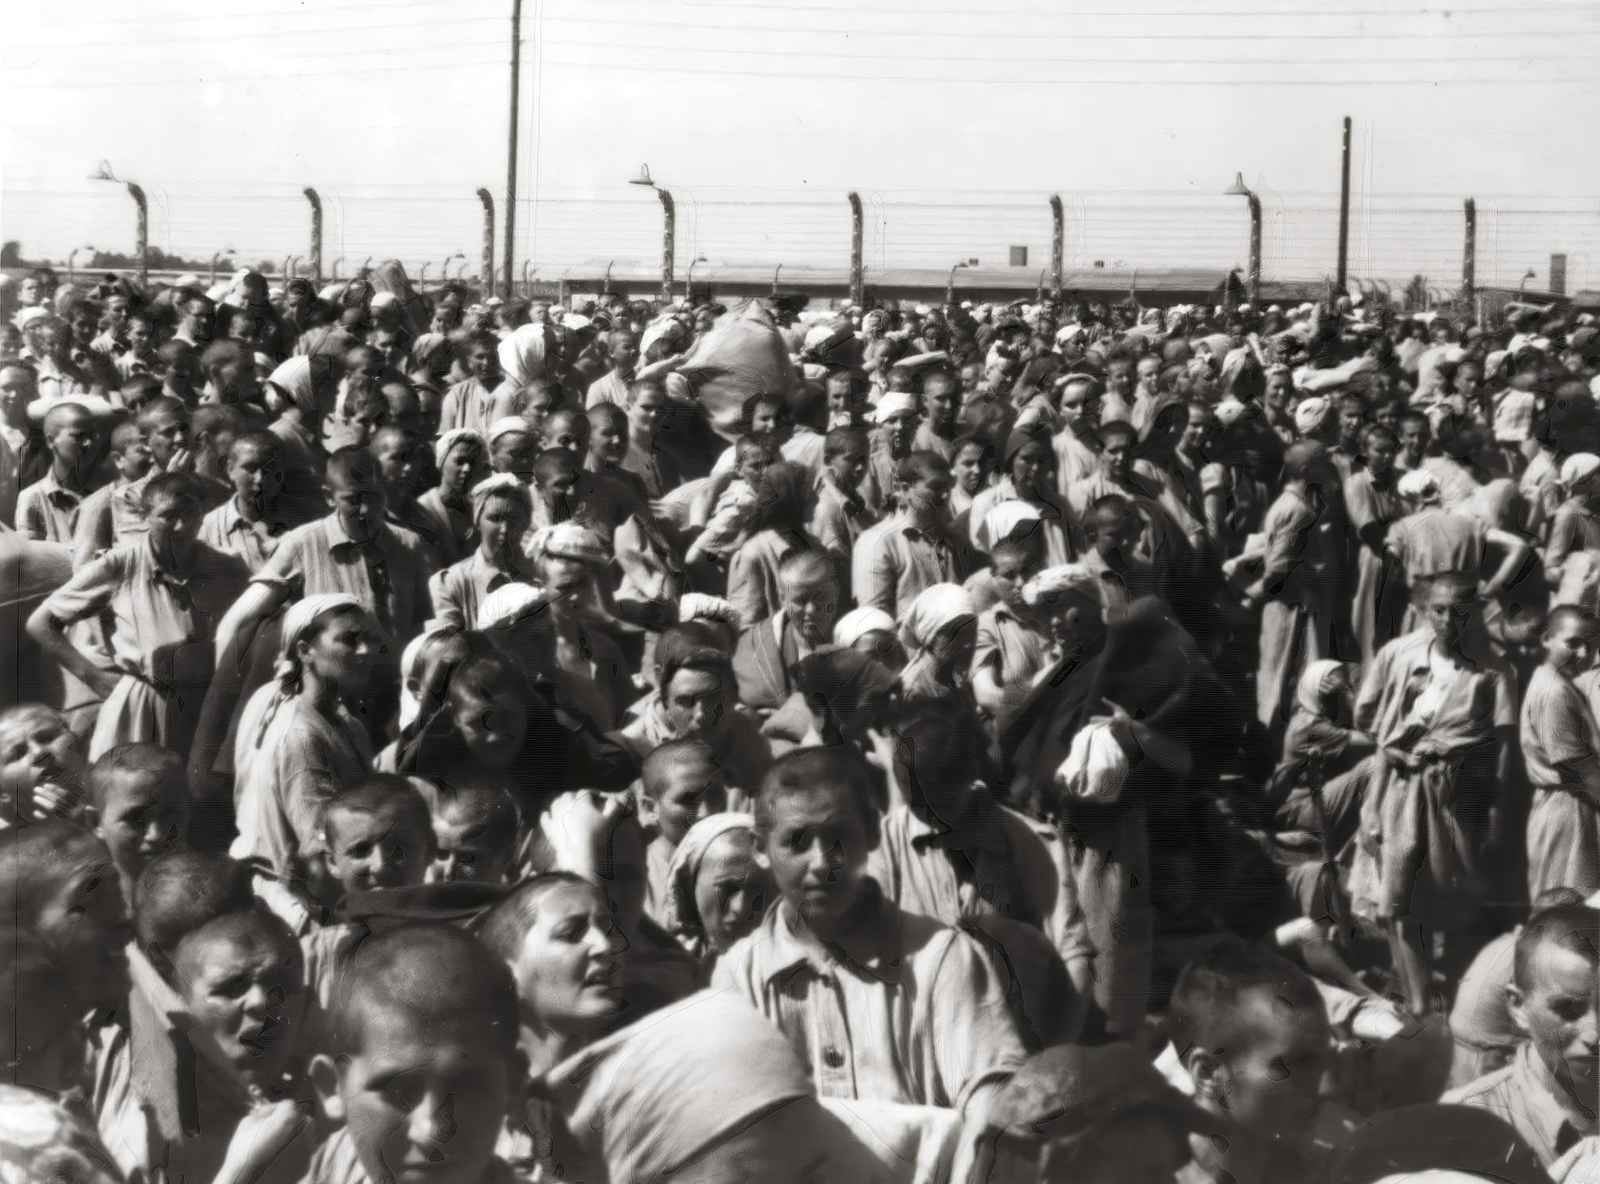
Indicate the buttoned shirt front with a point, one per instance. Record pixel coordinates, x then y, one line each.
916 1016
388 574
47 511
227 529
895 561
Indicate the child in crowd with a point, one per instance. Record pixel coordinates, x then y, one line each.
680 785
379 836
882 1004
476 831
250 523
446 508
502 513
1013 644
41 765
422 1063
1561 752
140 799
48 508
1252 1037
114 513
1547 1092
164 594
841 514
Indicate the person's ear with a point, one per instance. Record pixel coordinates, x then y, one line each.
1517 1008
325 1074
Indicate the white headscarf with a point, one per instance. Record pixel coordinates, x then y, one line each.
857 623
936 609
299 622
1420 485
450 439
1579 467
1064 577
522 355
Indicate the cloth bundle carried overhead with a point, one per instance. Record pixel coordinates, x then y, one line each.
743 355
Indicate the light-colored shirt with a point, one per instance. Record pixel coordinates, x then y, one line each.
1549 1121
917 1016
1557 728
459 589
389 574
226 529
47 511
895 561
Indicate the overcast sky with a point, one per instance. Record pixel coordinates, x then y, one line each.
954 121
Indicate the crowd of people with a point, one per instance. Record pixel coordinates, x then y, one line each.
463 740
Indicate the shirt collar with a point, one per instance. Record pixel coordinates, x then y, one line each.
339 540
876 948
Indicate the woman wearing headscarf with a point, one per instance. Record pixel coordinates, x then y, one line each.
297 743
1574 526
940 633
444 514
1028 476
301 391
1142 675
716 891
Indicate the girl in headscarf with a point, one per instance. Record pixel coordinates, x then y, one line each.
1574 526
501 513
300 392
940 632
297 744
716 890
1028 475
445 517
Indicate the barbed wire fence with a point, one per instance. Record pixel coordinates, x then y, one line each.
576 233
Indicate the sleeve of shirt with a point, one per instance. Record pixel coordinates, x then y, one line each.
1371 692
882 576
287 566
987 651
92 535
444 590
88 593
308 786
975 1040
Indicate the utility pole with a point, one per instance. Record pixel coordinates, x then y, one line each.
511 156
1469 253
1344 211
